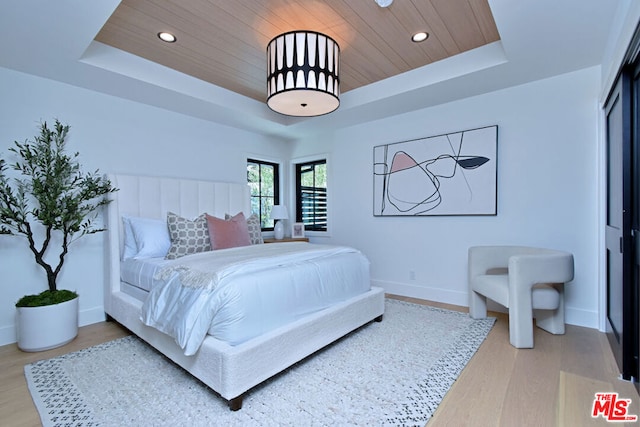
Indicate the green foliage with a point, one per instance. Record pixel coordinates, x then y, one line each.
52 191
262 182
46 298
314 175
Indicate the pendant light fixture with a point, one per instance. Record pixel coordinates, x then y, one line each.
302 74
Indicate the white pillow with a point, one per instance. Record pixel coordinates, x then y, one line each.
151 236
130 247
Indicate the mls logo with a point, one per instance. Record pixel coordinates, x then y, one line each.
611 408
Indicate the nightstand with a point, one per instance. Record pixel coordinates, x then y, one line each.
287 239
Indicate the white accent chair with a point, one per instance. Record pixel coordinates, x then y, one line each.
525 280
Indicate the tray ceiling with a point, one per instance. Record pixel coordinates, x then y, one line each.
223 42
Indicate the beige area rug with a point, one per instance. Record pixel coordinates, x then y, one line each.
394 372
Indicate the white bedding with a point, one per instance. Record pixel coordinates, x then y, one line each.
251 290
230 370
141 272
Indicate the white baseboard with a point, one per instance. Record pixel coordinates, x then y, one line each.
423 292
8 335
578 317
573 316
91 316
588 319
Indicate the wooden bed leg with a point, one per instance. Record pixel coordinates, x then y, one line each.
235 404
379 318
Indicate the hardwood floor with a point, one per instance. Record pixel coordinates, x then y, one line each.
551 385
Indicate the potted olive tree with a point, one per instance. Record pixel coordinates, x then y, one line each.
51 203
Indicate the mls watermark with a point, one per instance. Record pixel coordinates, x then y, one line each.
612 408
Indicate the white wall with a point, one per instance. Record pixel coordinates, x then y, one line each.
622 31
112 135
547 190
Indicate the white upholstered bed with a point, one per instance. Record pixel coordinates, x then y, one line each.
230 370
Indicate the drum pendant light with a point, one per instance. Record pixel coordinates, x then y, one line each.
302 74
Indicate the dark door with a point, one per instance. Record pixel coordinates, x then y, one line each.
635 217
621 329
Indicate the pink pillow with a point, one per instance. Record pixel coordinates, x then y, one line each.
231 233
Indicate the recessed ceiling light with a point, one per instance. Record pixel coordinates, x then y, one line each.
419 37
384 3
167 37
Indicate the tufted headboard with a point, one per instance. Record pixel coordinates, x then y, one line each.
153 197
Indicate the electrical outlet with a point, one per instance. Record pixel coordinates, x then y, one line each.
412 275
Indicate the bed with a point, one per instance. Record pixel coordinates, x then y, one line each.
229 366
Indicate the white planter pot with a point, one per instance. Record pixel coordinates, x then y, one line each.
44 328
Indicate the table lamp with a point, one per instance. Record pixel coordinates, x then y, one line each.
278 213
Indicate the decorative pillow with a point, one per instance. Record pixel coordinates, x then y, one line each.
152 237
229 233
187 236
255 231
130 247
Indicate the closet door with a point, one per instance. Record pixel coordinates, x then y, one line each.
620 324
635 219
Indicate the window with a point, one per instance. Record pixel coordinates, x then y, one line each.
264 180
311 195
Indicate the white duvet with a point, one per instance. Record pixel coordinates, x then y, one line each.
199 289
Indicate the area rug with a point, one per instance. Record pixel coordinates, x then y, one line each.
394 372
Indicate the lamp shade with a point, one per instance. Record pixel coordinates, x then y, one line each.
279 212
302 74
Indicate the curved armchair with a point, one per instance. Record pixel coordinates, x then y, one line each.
523 279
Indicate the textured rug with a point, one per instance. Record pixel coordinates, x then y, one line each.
394 372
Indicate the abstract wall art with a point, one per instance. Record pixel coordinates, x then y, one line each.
450 174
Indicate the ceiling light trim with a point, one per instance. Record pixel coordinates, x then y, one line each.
419 36
167 37
303 74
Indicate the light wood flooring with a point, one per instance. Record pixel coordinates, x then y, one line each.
551 385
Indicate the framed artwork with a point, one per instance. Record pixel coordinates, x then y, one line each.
450 174
297 230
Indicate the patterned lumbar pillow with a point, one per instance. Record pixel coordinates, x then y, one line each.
187 236
255 231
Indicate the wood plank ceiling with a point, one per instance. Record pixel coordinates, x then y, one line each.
223 41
